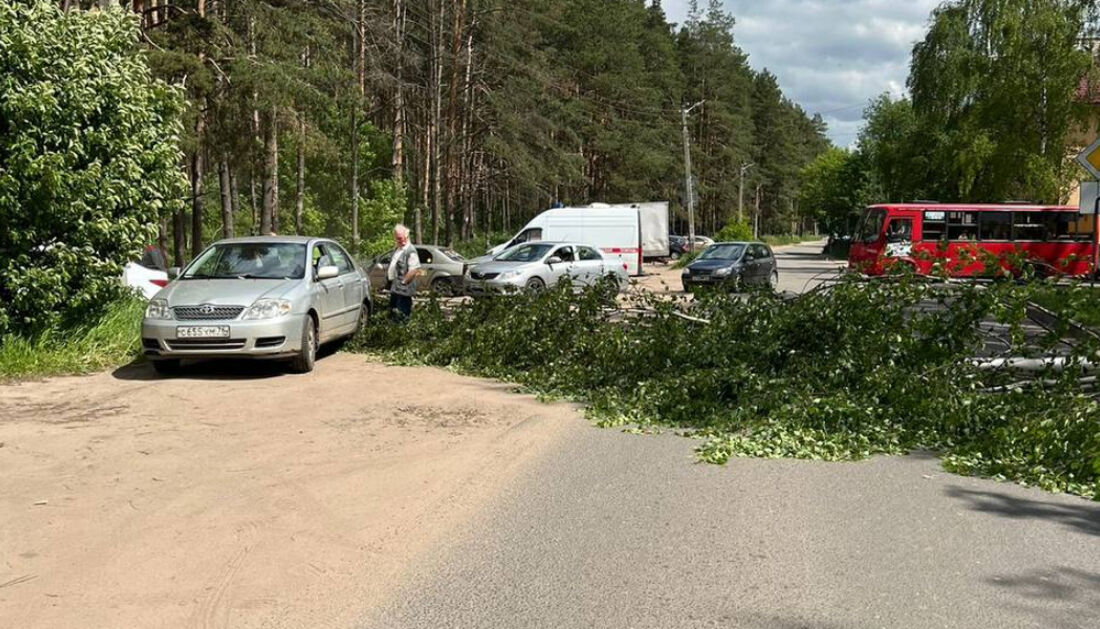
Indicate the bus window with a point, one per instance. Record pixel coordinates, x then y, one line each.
872 225
995 226
900 230
962 225
1067 226
934 225
1029 226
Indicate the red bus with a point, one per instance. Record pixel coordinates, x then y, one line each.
967 240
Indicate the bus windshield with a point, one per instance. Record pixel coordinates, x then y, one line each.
871 226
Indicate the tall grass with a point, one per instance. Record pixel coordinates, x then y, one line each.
111 340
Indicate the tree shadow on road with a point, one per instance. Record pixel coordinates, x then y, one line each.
1061 596
1083 517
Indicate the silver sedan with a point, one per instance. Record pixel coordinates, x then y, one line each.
537 265
263 297
441 270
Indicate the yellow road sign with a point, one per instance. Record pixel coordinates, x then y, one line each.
1089 159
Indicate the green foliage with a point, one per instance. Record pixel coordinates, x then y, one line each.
835 189
478 244
840 374
994 89
108 341
88 160
734 230
891 144
378 213
688 258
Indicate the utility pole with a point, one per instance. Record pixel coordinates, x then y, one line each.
688 188
740 190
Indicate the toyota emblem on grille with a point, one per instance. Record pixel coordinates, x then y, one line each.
207 309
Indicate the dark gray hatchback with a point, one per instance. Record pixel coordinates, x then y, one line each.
732 265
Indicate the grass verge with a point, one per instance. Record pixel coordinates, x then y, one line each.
109 341
787 239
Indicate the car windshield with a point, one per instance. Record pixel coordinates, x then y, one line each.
525 253
250 260
722 252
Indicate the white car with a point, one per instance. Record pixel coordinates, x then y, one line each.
148 275
538 265
702 242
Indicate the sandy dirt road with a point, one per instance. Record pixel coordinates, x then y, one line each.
238 496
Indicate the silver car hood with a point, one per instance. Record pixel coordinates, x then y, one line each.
223 292
481 259
497 266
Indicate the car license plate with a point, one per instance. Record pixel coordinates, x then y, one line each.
203 332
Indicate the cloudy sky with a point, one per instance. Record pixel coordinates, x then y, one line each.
830 56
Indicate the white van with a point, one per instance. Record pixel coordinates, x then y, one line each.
617 232
654 215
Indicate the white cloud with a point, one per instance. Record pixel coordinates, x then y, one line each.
830 56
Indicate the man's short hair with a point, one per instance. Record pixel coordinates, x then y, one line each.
401 229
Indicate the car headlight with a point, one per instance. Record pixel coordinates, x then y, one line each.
508 275
158 309
268 309
723 271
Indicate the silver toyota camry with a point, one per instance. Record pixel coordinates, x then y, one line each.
262 297
538 265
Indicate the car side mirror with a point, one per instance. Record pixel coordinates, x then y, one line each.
552 260
327 272
173 272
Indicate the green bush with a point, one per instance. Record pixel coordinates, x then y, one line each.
735 230
378 214
858 370
480 243
687 259
89 160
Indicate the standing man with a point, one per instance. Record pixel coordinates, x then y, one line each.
404 267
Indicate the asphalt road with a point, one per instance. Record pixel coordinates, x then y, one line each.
608 529
802 267
618 530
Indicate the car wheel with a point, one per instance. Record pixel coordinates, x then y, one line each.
363 320
675 255
609 286
443 286
307 355
773 280
687 287
168 367
535 285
